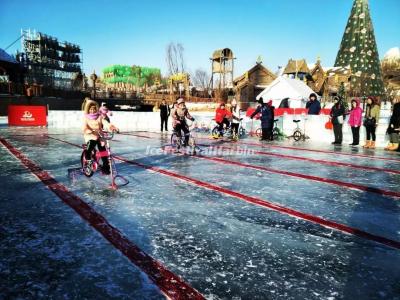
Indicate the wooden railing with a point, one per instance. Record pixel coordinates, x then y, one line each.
171 98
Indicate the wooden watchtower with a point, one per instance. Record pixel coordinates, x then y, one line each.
222 66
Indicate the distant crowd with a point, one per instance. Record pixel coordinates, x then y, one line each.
340 113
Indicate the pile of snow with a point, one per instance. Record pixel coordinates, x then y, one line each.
392 55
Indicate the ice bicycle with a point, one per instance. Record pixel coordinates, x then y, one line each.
227 131
179 141
277 133
89 167
298 134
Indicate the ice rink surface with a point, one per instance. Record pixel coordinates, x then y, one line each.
239 220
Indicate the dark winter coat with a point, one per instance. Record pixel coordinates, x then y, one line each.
336 111
394 122
164 110
314 107
267 118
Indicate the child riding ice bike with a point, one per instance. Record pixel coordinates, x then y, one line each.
228 131
92 160
179 116
222 116
95 136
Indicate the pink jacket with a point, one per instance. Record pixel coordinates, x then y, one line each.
355 118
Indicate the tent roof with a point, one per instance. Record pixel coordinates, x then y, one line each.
4 56
283 87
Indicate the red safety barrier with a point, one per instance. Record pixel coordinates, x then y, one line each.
325 111
26 115
250 111
288 111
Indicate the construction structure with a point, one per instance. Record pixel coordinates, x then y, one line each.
251 83
359 51
124 78
222 67
49 62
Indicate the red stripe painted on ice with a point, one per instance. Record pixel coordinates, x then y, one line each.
270 205
170 284
265 204
304 176
322 151
320 161
304 149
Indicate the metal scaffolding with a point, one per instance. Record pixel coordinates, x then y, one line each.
49 62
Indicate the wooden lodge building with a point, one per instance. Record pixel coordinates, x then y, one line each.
251 83
297 69
324 81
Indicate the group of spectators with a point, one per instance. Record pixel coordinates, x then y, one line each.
355 116
370 120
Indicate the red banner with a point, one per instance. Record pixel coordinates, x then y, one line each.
26 115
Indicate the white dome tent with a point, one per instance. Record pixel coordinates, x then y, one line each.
282 87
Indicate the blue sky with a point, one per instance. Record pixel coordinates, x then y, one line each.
137 32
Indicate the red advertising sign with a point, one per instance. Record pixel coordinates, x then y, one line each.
26 115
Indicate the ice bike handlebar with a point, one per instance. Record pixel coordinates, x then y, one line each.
106 135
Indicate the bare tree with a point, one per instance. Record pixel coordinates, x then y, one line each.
201 79
174 58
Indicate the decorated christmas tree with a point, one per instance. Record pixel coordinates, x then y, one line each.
358 50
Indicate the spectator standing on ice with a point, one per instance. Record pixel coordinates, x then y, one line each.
337 116
235 111
313 105
165 111
371 120
271 135
266 119
394 128
355 120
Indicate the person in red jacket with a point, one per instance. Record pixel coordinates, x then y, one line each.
222 116
355 120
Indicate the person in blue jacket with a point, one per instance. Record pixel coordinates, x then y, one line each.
266 119
313 105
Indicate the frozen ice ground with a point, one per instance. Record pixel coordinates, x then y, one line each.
224 247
